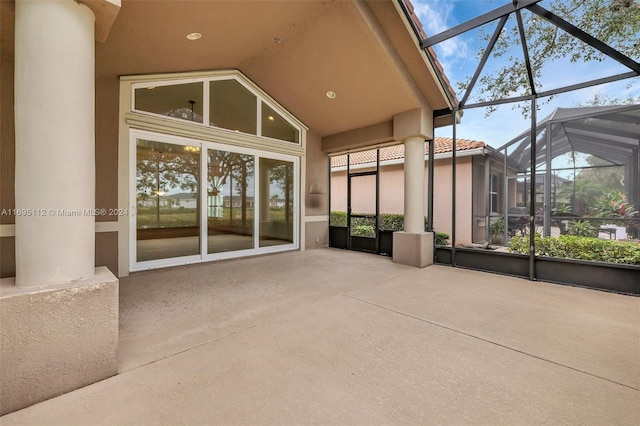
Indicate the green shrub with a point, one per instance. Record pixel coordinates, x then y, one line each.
391 222
441 238
362 226
364 231
338 218
580 228
388 221
583 248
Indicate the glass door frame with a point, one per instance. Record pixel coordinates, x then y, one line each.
350 241
203 256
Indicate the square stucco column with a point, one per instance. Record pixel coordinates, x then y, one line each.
413 247
57 338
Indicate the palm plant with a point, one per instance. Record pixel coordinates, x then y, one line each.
582 194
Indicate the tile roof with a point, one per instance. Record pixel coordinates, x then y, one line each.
423 35
396 152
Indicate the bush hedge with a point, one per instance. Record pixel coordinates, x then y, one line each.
363 226
582 248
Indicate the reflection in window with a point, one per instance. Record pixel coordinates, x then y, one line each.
167 200
276 202
274 126
233 106
183 101
230 203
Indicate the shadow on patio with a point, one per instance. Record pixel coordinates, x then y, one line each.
333 336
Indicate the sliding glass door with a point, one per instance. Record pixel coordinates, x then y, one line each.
167 200
276 205
198 201
230 201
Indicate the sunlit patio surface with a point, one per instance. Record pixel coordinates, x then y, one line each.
337 337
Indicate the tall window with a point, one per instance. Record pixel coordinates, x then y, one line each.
167 200
230 201
494 192
276 205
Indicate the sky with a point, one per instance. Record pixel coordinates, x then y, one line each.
459 58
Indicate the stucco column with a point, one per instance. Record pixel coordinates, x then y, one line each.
413 246
54 133
414 184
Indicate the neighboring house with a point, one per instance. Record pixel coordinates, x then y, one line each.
183 199
472 191
237 201
276 203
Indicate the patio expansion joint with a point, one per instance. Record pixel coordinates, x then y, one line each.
252 326
199 345
454 330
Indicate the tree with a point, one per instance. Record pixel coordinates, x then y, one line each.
582 194
281 173
233 169
602 99
161 167
590 184
603 173
614 22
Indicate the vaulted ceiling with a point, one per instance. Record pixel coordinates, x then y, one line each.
296 51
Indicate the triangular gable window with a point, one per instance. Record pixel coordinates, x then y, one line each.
223 101
275 126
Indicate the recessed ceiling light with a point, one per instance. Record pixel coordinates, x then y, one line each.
277 40
193 36
270 118
331 94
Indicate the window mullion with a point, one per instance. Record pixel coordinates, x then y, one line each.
258 115
206 103
203 185
256 202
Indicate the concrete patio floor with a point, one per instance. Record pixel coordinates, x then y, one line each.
337 337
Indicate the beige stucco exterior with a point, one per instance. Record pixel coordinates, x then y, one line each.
56 339
372 40
363 51
392 194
